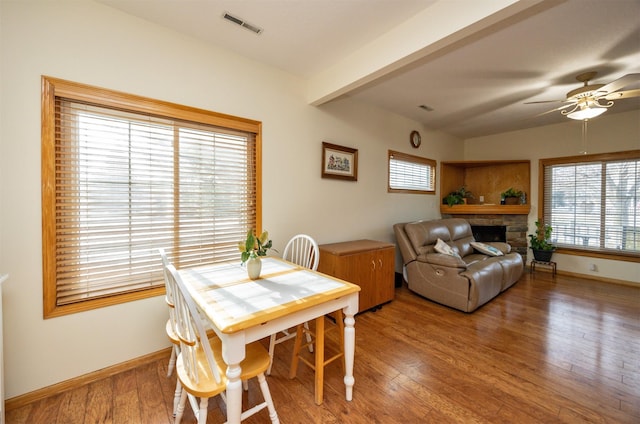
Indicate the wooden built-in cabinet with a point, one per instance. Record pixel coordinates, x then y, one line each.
488 179
367 263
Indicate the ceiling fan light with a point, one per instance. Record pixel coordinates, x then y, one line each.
586 113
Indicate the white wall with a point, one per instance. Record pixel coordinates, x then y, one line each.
92 44
610 132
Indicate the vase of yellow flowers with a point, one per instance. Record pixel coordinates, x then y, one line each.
252 249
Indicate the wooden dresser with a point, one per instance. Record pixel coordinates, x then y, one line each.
367 263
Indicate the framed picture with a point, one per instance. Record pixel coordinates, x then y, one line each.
339 162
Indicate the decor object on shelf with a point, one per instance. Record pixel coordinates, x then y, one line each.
458 197
339 162
511 196
587 100
464 283
540 242
415 139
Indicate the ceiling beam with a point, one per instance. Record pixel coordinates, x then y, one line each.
439 28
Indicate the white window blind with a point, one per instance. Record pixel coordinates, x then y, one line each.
408 173
594 204
127 183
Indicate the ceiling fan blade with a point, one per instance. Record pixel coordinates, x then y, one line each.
558 108
619 83
544 101
621 94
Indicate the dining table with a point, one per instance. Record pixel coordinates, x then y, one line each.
241 310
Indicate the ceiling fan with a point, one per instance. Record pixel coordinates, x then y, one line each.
592 100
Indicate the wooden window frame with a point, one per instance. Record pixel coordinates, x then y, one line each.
53 88
604 157
411 159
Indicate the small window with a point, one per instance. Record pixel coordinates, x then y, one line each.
411 174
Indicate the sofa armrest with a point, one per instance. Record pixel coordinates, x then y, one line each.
406 249
443 260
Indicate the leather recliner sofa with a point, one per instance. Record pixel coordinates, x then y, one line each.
464 279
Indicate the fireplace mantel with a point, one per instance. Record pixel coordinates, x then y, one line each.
485 209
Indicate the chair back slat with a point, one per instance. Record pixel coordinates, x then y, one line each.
168 289
190 330
302 250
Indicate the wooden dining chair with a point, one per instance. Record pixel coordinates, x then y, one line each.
301 250
304 251
320 359
170 327
200 367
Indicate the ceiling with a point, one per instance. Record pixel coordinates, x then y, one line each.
474 63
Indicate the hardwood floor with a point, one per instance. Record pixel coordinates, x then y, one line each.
547 350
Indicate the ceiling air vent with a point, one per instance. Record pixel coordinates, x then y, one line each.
244 24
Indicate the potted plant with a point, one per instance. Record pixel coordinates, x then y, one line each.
540 242
458 197
511 196
252 249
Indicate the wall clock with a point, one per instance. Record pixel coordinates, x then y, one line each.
415 139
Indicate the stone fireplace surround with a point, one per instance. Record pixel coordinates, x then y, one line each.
516 227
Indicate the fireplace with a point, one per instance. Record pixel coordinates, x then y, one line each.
512 228
488 233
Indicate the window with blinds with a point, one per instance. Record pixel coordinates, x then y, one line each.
411 174
593 202
120 182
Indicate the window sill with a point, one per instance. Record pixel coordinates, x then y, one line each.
627 257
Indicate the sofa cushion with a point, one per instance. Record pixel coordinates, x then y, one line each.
458 228
486 249
475 257
426 233
512 268
463 246
444 248
486 277
443 260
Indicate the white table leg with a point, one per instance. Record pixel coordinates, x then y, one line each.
234 394
233 352
349 352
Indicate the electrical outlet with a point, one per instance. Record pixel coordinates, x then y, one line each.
593 267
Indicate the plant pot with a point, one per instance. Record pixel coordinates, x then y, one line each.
542 255
511 200
254 266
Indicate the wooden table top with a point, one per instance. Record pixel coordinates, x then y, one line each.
234 303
